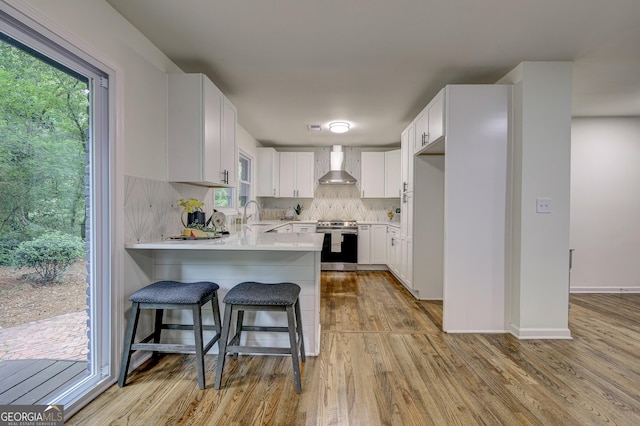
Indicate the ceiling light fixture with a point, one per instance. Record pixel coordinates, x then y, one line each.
339 127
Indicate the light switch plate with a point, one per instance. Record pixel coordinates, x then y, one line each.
543 205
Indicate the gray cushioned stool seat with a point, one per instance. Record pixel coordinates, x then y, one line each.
174 292
253 293
163 295
254 296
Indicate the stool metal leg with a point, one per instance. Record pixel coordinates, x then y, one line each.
197 331
222 344
157 330
238 334
215 307
294 347
299 329
129 336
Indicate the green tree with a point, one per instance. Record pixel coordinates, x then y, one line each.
44 126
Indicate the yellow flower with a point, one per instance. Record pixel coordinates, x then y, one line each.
191 205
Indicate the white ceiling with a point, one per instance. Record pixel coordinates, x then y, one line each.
376 63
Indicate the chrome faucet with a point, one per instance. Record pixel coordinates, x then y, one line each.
245 217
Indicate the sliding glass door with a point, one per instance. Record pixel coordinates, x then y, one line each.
54 220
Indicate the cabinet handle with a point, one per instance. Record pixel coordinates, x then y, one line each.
363 193
274 192
404 186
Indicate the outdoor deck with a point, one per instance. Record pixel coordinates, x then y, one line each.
30 381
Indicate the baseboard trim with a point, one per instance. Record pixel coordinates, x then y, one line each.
540 333
604 290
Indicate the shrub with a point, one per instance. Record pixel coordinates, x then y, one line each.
50 255
7 248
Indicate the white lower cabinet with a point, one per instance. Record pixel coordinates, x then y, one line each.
364 243
303 228
372 244
378 245
286 229
393 249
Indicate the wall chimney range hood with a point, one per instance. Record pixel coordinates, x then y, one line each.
337 175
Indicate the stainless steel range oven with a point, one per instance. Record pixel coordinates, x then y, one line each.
340 246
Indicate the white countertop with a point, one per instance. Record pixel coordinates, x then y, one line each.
248 241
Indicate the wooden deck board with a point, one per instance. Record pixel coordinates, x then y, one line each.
31 381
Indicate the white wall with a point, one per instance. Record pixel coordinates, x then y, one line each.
142 74
605 204
538 247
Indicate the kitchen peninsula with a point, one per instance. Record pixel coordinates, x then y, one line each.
246 256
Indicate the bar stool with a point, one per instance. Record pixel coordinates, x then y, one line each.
172 295
254 296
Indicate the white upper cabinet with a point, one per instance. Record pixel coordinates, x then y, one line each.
296 174
268 184
429 124
392 173
201 132
228 150
406 160
372 179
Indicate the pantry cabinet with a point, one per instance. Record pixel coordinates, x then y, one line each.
268 184
296 174
201 132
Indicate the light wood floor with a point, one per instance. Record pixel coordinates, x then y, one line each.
385 361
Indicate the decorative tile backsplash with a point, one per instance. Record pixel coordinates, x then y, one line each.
335 201
150 208
152 214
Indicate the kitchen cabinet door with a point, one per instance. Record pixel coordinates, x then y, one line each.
287 174
228 152
393 249
303 228
429 124
268 184
392 173
364 243
378 245
435 111
406 160
421 126
305 184
201 128
372 177
296 174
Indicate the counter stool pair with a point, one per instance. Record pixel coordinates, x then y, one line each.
247 296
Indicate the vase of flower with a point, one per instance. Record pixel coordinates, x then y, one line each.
193 210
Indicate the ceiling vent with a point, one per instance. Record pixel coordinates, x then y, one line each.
314 127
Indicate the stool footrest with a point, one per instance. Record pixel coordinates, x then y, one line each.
258 349
264 328
172 347
186 327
